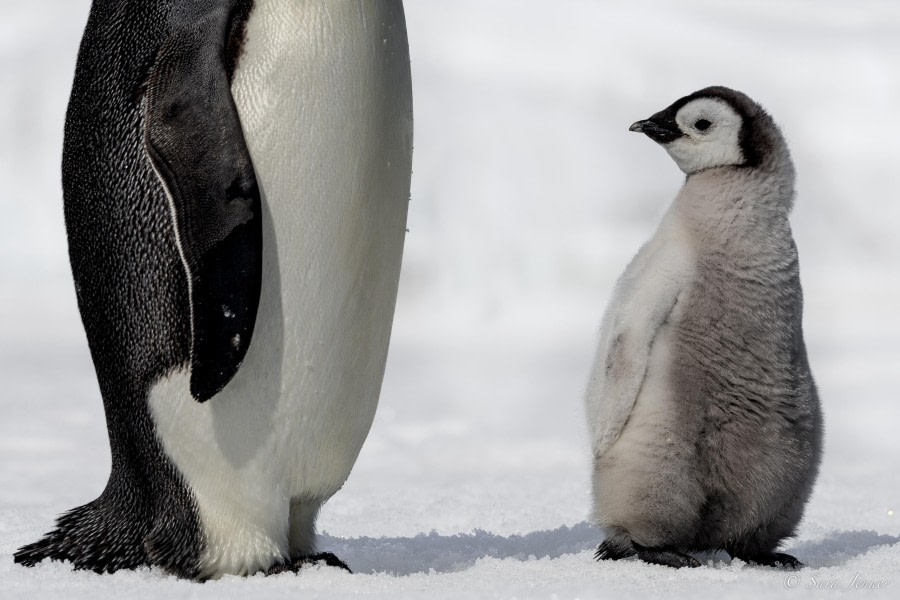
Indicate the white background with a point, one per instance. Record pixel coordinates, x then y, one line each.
529 197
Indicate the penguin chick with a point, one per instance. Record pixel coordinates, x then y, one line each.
703 413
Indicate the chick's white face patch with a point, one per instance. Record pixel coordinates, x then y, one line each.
711 137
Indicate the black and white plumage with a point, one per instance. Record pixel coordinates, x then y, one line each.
236 181
704 416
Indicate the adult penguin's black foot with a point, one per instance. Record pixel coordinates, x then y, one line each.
298 563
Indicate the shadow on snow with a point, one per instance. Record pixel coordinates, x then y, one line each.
425 553
448 553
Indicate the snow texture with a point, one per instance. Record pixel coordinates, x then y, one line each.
529 197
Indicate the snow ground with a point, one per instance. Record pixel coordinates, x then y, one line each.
529 197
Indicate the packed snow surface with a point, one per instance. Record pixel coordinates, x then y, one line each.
529 198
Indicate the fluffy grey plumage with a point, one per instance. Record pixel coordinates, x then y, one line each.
704 416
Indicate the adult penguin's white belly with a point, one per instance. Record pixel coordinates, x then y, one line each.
323 93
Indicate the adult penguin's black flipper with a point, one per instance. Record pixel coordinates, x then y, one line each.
195 141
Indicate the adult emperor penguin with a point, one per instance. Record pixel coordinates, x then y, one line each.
705 420
232 168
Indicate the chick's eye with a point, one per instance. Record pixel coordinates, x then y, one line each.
702 124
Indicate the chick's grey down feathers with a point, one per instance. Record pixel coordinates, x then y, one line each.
704 414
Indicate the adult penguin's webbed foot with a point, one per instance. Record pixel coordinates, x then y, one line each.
299 562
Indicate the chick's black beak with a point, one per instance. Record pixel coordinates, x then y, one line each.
661 131
639 126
